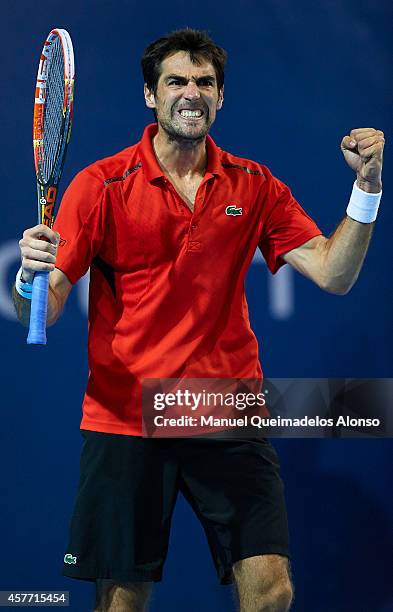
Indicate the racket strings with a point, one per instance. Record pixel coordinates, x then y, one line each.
53 115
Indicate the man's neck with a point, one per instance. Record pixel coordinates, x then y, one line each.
185 160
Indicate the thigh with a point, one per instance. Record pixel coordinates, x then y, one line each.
124 503
235 487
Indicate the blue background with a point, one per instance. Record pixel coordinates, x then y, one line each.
300 76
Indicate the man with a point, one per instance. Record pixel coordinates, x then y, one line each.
168 228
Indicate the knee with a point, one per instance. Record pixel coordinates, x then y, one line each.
125 596
283 596
277 599
264 584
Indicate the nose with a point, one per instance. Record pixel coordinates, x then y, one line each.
191 92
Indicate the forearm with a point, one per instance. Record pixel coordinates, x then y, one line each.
346 249
22 307
343 255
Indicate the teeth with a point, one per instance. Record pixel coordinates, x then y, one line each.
188 113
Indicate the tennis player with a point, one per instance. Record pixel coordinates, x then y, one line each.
168 228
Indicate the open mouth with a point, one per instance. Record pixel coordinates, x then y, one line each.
191 115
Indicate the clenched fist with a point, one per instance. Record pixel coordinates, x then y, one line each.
363 151
38 249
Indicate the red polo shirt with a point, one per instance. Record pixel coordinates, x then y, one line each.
167 292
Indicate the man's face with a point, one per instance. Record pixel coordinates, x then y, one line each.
184 87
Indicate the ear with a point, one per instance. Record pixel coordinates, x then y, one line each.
149 97
220 100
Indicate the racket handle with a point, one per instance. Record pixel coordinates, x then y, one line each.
39 307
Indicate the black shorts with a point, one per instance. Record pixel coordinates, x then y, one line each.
127 491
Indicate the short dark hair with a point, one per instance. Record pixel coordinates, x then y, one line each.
197 43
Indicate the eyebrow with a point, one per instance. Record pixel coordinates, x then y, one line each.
211 77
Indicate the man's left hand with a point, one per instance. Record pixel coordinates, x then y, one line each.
363 151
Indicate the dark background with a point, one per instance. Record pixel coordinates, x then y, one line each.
300 76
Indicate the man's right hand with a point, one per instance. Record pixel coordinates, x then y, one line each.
38 249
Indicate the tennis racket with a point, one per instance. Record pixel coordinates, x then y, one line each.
51 133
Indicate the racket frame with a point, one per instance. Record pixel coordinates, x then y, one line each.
47 189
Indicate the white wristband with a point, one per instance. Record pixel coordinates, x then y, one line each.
363 206
24 289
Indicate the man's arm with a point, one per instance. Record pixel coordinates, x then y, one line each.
334 263
40 255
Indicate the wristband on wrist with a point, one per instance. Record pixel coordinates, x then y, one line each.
363 206
24 289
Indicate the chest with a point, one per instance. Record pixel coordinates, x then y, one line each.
187 190
154 225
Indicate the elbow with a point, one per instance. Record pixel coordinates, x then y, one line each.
337 282
337 277
51 321
53 316
336 288
342 290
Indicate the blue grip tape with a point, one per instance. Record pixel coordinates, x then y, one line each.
39 307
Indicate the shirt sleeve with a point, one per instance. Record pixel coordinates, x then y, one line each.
80 224
286 225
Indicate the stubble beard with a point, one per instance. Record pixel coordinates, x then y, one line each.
183 137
